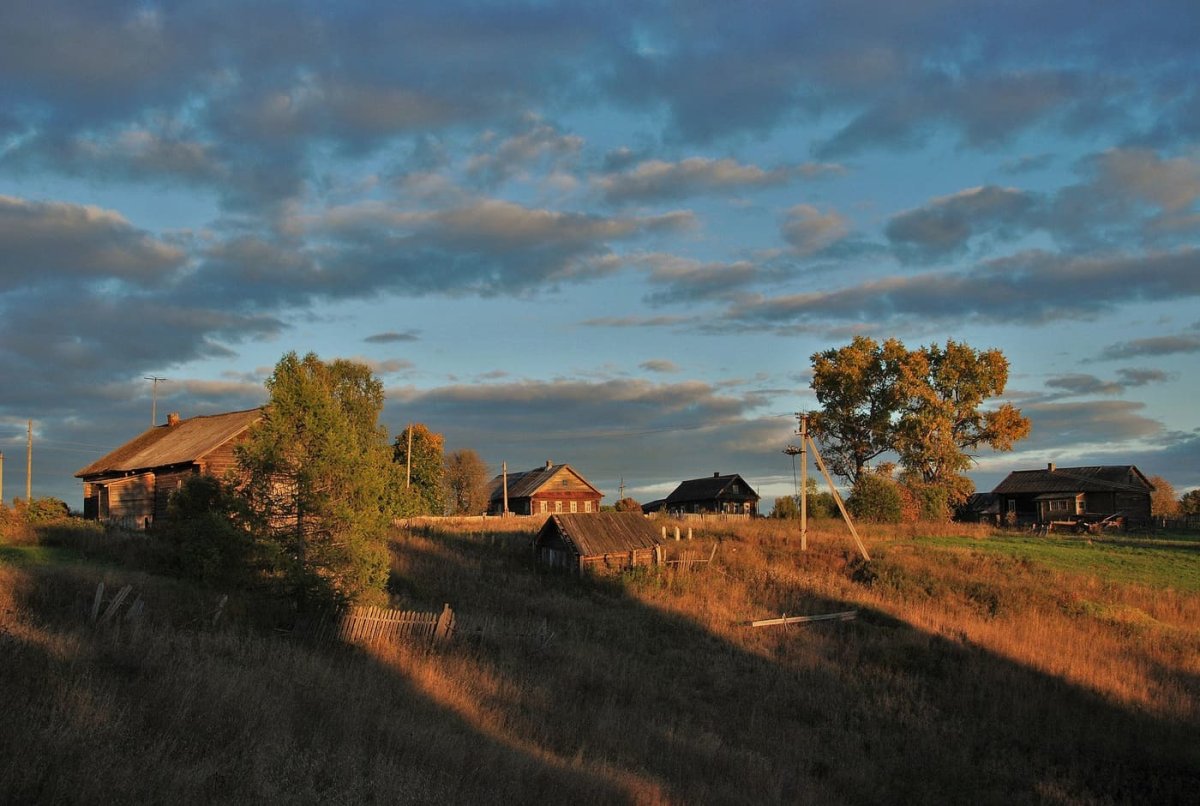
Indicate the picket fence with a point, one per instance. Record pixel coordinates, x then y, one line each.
375 626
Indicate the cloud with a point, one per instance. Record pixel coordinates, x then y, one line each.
535 143
944 227
44 242
809 230
1080 384
487 247
659 365
685 280
649 432
636 321
1096 422
656 180
1142 377
1028 287
392 337
1152 346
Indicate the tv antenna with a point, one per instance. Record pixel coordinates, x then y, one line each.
154 397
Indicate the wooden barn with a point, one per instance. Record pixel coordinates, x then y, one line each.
599 543
1074 493
132 484
545 490
716 494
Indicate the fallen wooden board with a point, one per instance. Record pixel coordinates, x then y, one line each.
847 615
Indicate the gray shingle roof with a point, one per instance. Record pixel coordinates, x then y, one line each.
603 532
1100 478
709 488
524 483
165 445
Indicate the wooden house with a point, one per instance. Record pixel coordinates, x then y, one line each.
598 543
717 494
1074 493
132 484
548 490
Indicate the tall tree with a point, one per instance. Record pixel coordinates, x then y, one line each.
925 405
319 479
466 479
1163 501
857 387
942 419
1189 502
420 489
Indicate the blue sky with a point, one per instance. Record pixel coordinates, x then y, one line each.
605 236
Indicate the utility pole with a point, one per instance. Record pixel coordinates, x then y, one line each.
504 474
793 451
154 397
1 478
29 463
806 441
621 489
408 460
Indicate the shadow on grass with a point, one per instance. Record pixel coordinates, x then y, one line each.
619 702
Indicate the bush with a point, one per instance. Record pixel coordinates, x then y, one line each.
875 497
44 510
206 534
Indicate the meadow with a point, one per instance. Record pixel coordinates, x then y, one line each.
982 667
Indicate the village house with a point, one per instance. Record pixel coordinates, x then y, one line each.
598 543
725 495
543 491
132 484
1074 493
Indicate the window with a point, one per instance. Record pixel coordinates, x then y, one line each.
543 506
1058 506
558 506
574 506
587 506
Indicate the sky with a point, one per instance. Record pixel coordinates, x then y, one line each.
606 236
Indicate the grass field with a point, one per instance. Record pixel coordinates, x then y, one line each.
980 669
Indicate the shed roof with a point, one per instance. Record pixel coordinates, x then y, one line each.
524 483
1096 479
602 532
165 445
707 489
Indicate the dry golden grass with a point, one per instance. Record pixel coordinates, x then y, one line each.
968 677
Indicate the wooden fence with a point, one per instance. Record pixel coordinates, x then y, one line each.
378 625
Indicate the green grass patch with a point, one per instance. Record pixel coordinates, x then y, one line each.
1153 562
36 555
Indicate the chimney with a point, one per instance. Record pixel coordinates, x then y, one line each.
716 475
549 464
173 419
1050 466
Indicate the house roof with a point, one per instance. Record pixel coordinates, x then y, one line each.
165 445
1101 478
602 532
709 488
525 483
982 504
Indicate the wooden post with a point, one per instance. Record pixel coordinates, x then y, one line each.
408 458
1 477
676 533
504 475
445 623
803 483
689 533
838 500
29 465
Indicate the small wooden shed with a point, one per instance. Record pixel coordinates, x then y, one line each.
598 543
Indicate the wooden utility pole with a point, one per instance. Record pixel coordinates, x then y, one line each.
807 441
504 475
793 451
154 398
1 478
29 463
408 460
803 482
